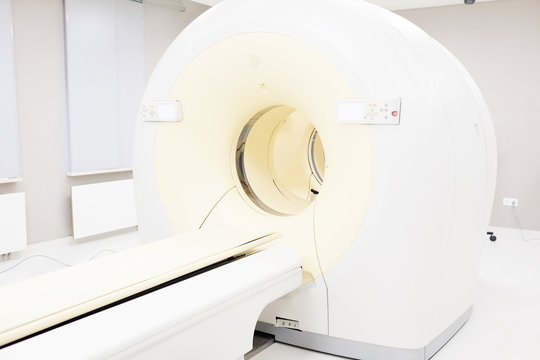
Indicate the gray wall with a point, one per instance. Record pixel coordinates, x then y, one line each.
499 43
38 27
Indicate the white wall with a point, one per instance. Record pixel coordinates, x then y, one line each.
9 129
499 43
162 25
41 95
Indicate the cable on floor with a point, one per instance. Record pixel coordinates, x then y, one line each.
53 259
520 228
101 252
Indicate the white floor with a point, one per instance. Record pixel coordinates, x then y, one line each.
35 260
505 323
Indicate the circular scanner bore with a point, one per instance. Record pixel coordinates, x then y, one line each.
280 160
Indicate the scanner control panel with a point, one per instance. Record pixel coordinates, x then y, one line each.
369 111
168 111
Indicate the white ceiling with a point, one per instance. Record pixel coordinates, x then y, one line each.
415 4
388 4
207 2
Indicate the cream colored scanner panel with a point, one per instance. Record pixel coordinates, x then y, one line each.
275 97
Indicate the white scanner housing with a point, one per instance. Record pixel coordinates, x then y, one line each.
352 133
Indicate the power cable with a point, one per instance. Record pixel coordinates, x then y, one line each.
53 259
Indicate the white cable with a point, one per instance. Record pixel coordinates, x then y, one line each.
53 259
520 228
101 252
33 256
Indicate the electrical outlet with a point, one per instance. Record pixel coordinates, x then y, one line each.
510 202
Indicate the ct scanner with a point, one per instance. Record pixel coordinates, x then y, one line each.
331 135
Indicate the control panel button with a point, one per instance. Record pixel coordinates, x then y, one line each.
386 111
161 111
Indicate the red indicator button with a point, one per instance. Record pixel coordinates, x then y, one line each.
394 113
